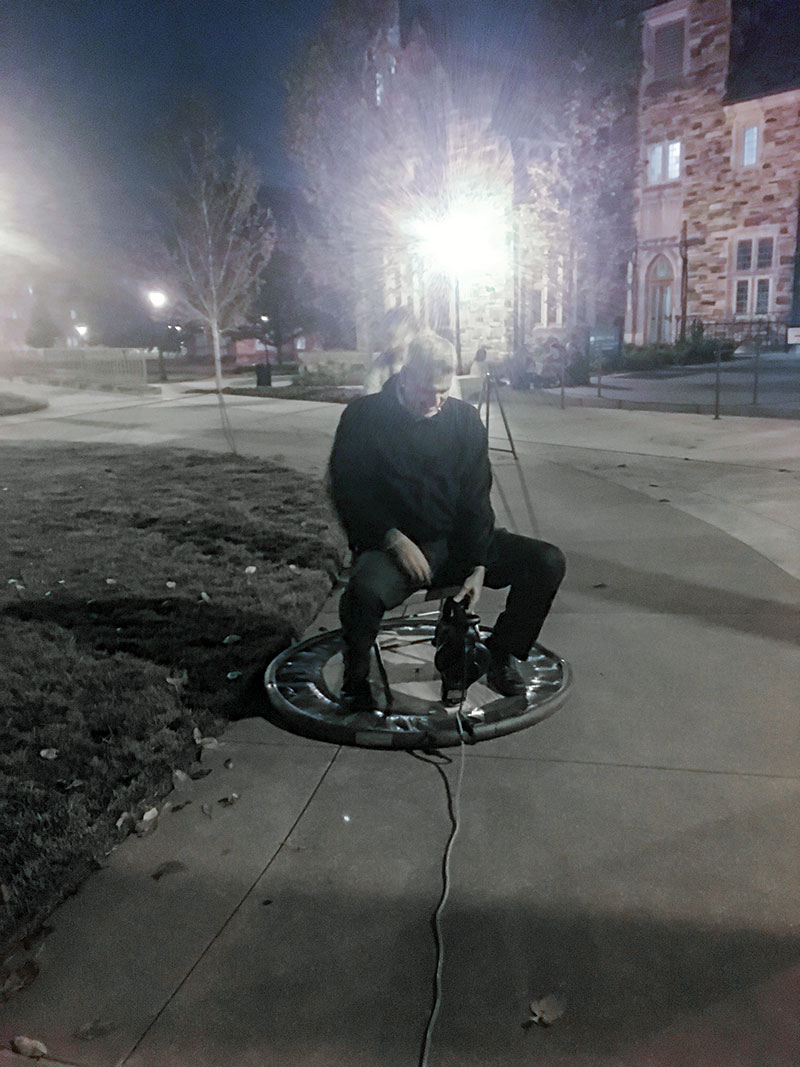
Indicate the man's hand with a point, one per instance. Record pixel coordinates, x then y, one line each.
409 556
472 587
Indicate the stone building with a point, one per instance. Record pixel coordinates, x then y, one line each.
437 137
460 175
716 204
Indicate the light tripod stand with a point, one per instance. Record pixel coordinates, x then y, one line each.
489 388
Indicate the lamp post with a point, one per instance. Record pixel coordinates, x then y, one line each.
158 300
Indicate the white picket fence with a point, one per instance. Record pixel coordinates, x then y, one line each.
109 368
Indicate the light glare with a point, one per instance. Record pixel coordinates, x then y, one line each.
468 242
157 298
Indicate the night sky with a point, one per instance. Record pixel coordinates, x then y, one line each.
94 76
83 82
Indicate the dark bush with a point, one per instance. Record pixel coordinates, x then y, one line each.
696 350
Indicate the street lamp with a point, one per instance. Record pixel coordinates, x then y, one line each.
158 300
467 242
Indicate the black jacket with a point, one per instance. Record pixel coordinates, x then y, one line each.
429 478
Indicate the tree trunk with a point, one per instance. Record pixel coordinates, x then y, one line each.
215 340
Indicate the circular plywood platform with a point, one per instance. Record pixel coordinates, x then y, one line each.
303 683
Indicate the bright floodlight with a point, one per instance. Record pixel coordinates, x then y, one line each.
81 330
468 242
157 298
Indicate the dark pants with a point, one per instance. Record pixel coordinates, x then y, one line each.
533 569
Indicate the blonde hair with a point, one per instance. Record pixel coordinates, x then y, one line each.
429 357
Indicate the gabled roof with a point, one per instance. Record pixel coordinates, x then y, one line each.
765 49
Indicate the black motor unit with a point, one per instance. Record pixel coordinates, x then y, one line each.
461 656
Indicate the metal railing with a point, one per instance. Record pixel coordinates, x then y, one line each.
743 361
110 368
770 332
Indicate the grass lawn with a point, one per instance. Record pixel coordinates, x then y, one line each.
13 404
141 593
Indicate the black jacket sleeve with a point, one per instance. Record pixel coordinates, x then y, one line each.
475 513
352 477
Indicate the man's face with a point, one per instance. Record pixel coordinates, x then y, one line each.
424 395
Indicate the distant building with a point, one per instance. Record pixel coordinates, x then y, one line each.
716 212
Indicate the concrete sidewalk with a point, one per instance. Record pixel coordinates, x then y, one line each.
636 853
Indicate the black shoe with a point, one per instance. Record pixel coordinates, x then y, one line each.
356 696
504 677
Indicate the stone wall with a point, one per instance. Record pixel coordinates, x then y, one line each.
721 201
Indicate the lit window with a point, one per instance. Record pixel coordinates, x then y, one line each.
755 270
663 162
674 160
764 261
744 255
750 146
654 165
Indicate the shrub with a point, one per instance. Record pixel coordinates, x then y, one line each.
330 374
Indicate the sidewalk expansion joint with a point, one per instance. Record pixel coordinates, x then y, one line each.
126 1056
638 766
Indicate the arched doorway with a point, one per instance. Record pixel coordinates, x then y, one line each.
658 296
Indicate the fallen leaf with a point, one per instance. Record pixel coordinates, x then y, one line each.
96 1028
599 585
228 764
34 941
180 779
203 742
227 801
111 581
21 977
147 823
266 902
206 810
168 867
49 753
231 675
28 1046
205 598
547 1010
663 500
170 585
196 772
178 680
231 639
179 807
125 821
250 570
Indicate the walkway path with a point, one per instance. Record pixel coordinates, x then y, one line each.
635 854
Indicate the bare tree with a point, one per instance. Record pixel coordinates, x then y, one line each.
221 237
